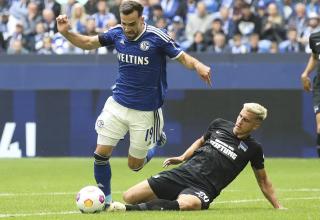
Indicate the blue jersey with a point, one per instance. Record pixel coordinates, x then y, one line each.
142 80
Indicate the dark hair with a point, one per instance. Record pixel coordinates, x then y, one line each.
127 7
157 7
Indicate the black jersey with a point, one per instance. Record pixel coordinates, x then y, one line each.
218 162
314 43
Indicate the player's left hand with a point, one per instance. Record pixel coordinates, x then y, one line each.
172 161
306 82
204 72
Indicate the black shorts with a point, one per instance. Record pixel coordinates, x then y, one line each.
316 94
165 188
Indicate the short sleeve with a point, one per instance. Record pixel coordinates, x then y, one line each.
106 38
257 161
169 46
311 44
314 42
172 49
211 127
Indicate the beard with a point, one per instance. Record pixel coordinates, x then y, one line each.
131 36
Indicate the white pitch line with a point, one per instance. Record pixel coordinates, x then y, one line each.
36 194
45 194
263 200
38 214
299 190
77 212
281 190
239 201
6 194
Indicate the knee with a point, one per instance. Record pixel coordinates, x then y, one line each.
128 197
101 159
135 166
186 205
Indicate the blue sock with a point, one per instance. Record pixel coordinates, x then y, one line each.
102 174
151 153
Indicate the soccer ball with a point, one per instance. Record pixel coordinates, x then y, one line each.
90 199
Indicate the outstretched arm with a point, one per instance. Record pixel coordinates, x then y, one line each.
81 41
186 155
266 187
305 80
192 63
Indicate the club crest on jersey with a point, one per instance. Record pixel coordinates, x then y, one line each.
243 146
100 123
144 45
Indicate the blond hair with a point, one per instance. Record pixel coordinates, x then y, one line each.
257 109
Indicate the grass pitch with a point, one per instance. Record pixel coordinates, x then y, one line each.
45 188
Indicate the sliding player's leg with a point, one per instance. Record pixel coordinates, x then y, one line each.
160 193
139 193
185 202
156 193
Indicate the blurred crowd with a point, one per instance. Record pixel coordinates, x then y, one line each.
203 26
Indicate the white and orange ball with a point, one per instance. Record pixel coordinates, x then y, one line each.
90 199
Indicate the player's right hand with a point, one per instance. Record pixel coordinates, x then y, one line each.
306 82
204 72
281 208
172 161
62 24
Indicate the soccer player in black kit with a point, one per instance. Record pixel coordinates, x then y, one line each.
210 164
314 43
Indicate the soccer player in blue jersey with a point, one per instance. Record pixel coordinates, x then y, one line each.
139 91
